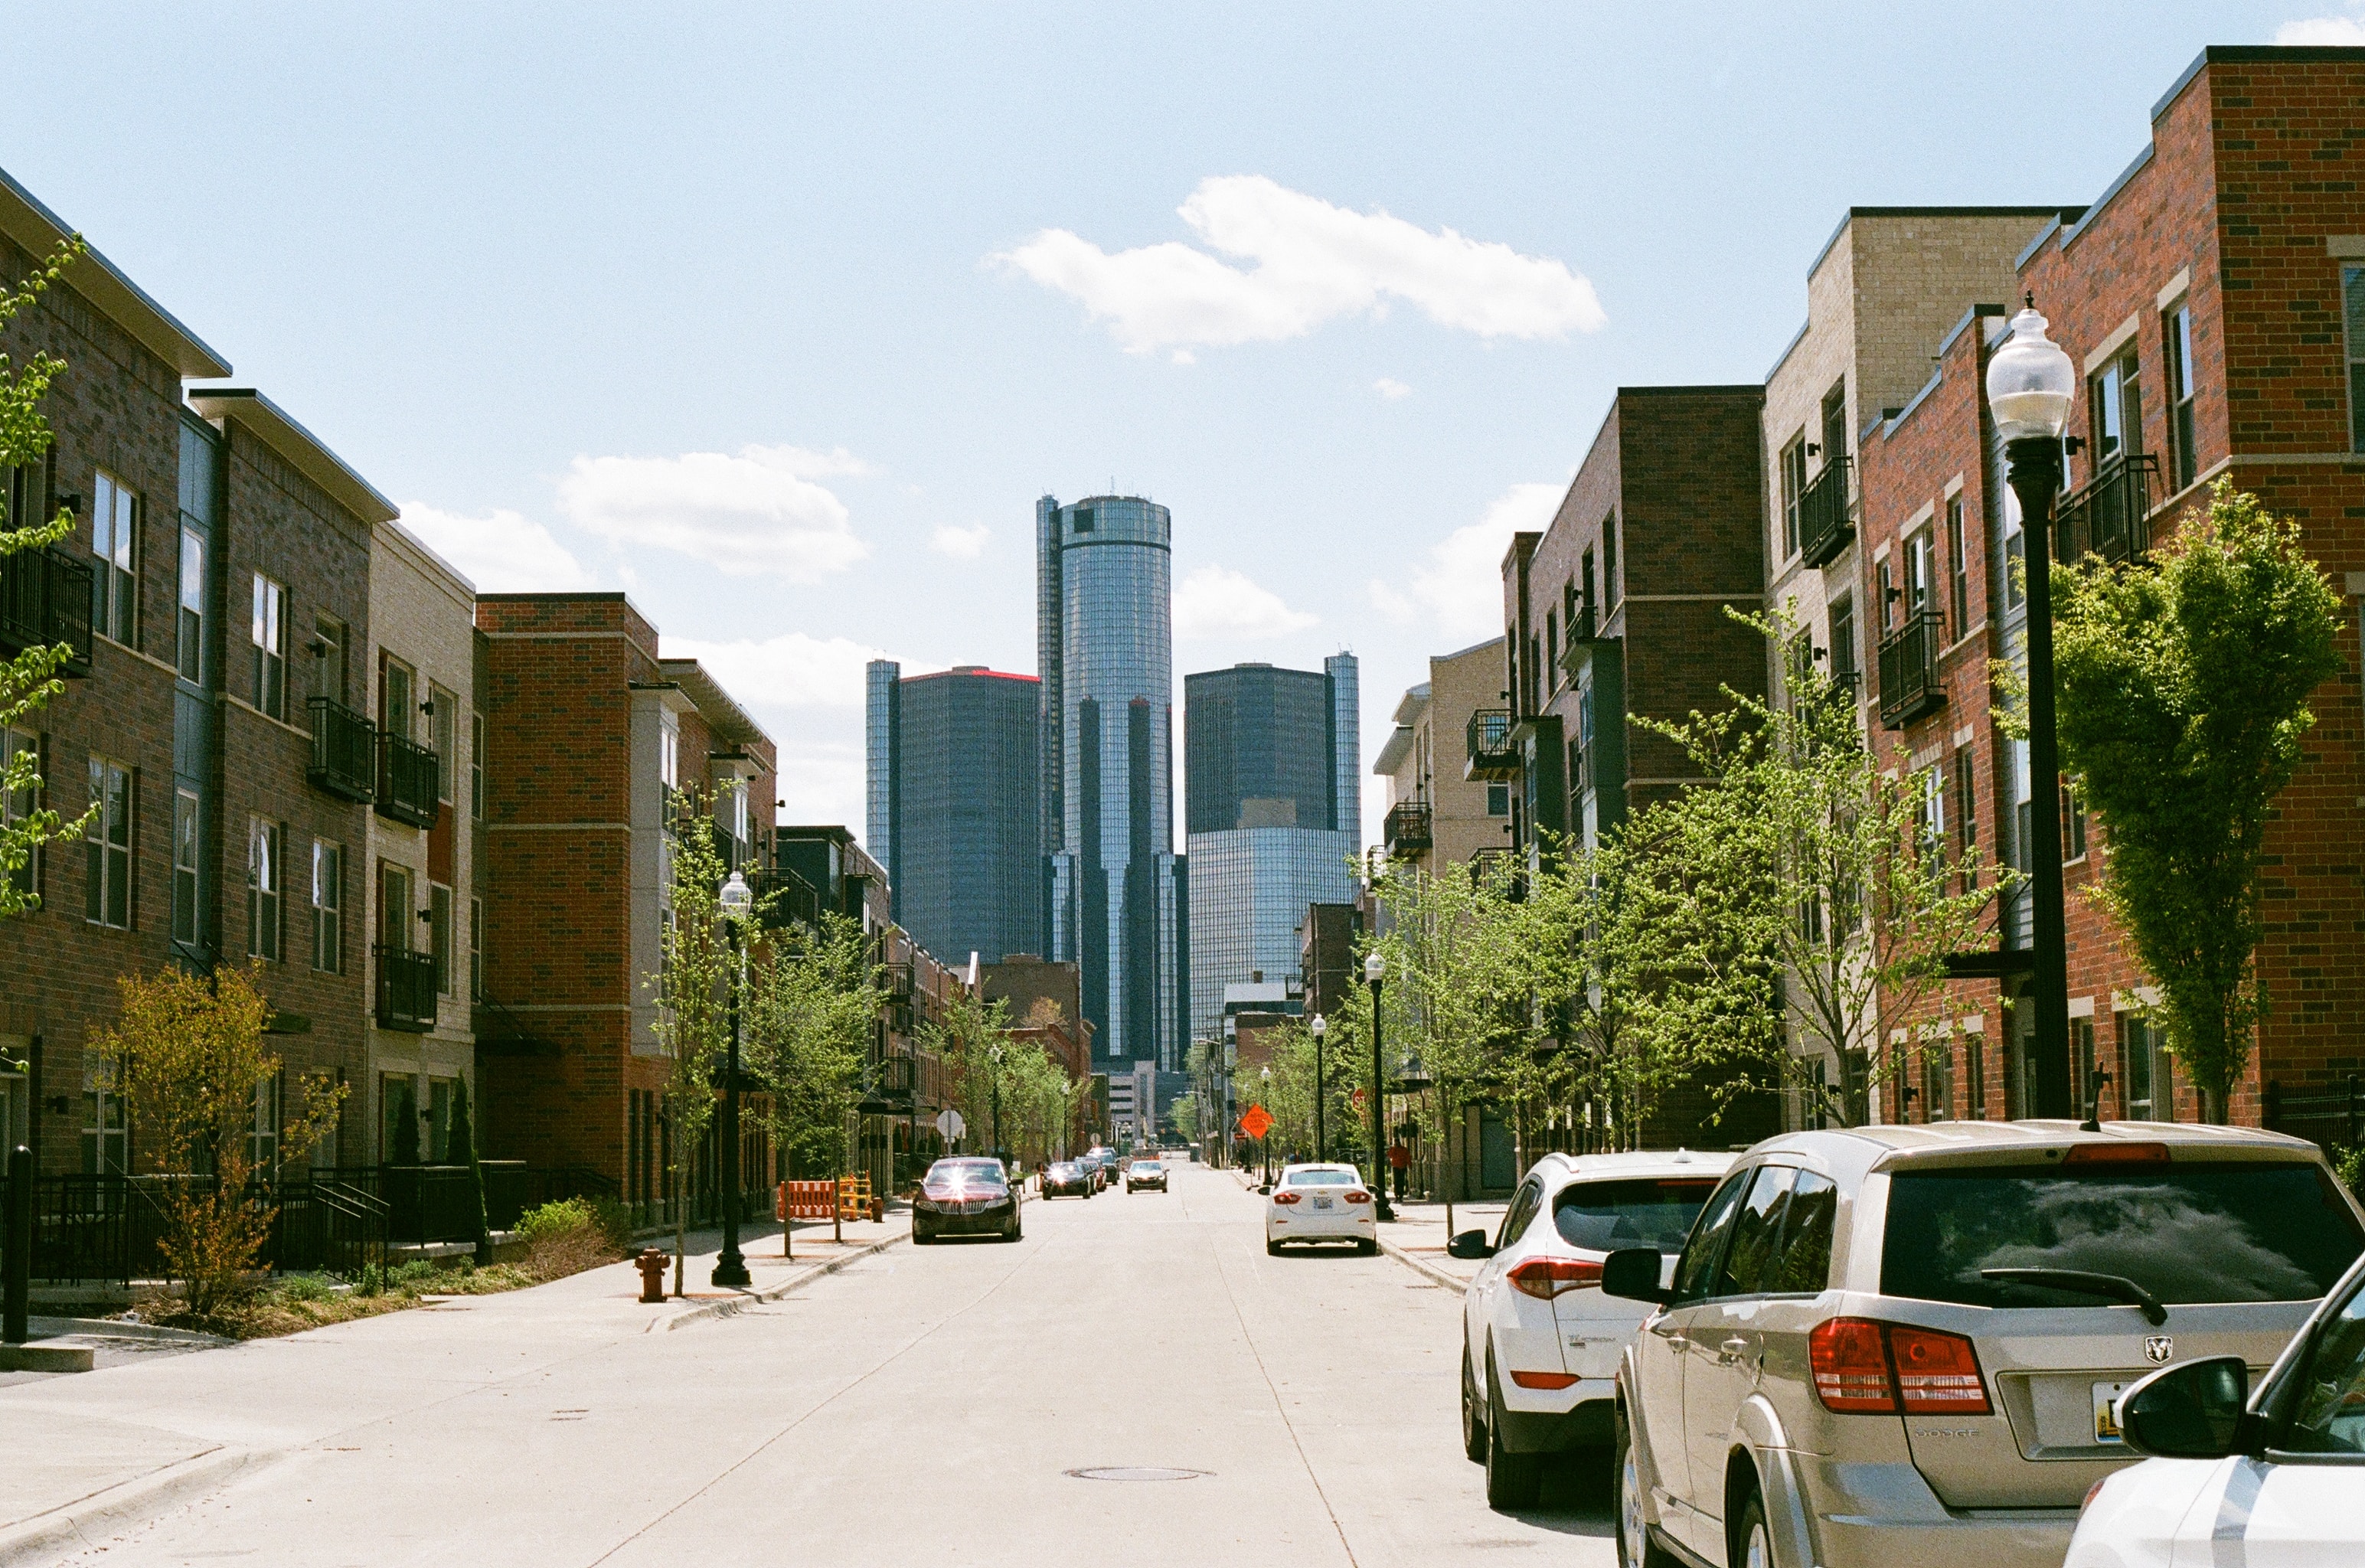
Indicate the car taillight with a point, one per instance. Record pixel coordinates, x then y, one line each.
1284 1197
2091 1493
1544 1278
1543 1380
1358 1196
1874 1369
2116 1154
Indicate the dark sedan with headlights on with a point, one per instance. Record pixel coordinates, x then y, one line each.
964 1197
1065 1178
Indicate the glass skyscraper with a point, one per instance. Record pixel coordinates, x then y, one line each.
1273 798
1116 894
955 807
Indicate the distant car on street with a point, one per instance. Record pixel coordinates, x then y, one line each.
970 1196
2272 1478
1320 1203
1908 1344
1102 1159
1145 1174
1540 1342
1065 1178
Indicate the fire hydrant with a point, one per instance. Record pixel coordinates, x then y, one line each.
651 1265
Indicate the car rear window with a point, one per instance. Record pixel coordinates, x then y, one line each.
1319 1179
2190 1233
1603 1216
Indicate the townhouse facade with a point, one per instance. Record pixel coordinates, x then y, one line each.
1436 816
2213 297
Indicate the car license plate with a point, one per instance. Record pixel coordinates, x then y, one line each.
2106 1425
1321 1202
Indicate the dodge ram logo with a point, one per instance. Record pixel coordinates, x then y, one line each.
2158 1348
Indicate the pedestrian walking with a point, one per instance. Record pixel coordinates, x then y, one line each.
1399 1160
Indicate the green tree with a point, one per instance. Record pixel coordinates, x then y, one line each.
2183 689
697 985
30 679
810 1019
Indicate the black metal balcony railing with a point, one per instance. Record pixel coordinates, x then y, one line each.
784 900
1492 755
45 601
344 751
1407 828
2109 515
1909 685
897 982
1824 525
406 781
406 990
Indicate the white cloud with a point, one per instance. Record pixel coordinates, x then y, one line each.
793 670
1217 602
1391 388
1314 262
962 544
501 551
758 513
2334 31
1460 585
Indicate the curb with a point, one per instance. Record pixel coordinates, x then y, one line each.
135 1501
710 1310
1445 1277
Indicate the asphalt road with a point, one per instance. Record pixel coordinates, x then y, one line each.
926 1405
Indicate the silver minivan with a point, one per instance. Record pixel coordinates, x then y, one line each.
1899 1345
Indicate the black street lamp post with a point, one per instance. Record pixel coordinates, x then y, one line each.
1319 1027
1374 968
2029 382
729 1268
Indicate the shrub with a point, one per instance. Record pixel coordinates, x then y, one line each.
571 1235
2349 1164
305 1287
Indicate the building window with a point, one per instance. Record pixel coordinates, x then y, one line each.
191 652
263 1136
1933 809
2352 296
264 878
1885 576
106 845
115 541
1552 646
268 654
2134 1068
106 1136
398 1104
396 699
1498 799
2185 453
476 949
1842 652
1958 568
2015 580
1975 1077
2082 1059
20 757
1920 571
395 913
1966 826
668 755
477 766
443 729
439 1119
1608 564
2073 823
1835 424
328 907
1938 1081
2114 402
1794 485
439 936
186 929
331 648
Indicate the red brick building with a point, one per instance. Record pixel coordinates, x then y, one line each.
2214 297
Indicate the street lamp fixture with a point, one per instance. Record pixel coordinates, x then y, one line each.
1319 1027
2030 383
1376 969
738 901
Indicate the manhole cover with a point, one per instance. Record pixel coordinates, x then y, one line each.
1135 1473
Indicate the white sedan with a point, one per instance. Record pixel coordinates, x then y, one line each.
1320 1203
2271 1480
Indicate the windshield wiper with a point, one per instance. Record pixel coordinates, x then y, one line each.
2116 1287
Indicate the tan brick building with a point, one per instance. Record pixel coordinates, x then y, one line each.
1446 817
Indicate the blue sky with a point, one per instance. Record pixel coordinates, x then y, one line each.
780 319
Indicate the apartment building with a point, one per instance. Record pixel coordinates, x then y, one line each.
2215 297
594 747
1436 816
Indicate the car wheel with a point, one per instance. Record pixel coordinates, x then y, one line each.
1272 1247
1637 1548
1512 1479
1368 1249
920 1237
1473 1426
1756 1546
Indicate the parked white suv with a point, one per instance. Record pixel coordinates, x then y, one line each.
1539 1341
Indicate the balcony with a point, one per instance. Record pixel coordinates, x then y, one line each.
406 990
784 901
2110 515
1408 829
1492 754
1909 687
897 984
344 751
406 781
1824 526
1506 869
44 600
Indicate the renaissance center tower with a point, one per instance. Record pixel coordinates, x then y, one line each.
1116 893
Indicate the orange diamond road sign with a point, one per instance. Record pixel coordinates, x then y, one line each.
1256 1123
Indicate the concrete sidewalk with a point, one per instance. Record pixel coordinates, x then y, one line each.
1417 1236
143 1431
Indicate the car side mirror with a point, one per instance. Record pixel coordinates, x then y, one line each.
2190 1411
1469 1244
1632 1273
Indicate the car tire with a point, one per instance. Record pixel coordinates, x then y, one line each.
1473 1426
1368 1249
920 1237
1272 1248
1753 1544
1637 1547
1512 1479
